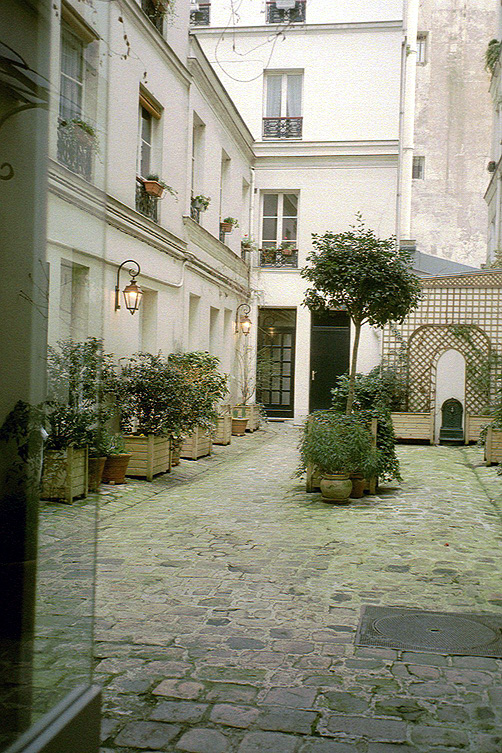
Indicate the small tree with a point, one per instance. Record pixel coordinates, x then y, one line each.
364 275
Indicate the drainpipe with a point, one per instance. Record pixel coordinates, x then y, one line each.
251 214
408 120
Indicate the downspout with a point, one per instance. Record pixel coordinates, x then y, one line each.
408 125
400 154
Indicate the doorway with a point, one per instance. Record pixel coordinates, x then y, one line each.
275 369
329 355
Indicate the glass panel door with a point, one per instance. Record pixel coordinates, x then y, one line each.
275 361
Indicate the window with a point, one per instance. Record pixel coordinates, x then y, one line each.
418 168
154 12
200 13
279 230
283 106
72 75
145 142
421 48
73 301
285 11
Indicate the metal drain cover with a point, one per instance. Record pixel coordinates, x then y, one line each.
437 632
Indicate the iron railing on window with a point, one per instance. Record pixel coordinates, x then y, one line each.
75 151
294 15
145 204
282 128
154 12
194 213
279 258
201 16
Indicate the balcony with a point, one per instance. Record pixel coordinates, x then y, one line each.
200 14
75 150
145 204
294 15
154 11
279 258
282 128
195 213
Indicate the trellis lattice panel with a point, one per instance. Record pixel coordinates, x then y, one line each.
414 347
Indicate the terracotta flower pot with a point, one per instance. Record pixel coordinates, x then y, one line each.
336 488
95 474
153 188
239 426
226 227
115 469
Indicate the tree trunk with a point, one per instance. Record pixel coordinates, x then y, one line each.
353 368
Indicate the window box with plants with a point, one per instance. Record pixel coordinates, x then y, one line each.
228 224
200 202
205 387
156 187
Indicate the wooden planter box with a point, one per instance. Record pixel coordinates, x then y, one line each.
414 426
251 412
65 474
474 426
150 455
493 446
314 477
223 431
197 445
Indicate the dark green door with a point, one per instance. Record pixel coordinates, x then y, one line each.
329 355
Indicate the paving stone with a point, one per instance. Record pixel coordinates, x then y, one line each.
268 742
109 727
233 716
405 708
232 693
439 736
287 720
294 697
325 746
147 734
202 740
178 711
345 702
391 748
362 726
179 689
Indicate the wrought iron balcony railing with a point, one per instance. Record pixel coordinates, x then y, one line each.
75 151
282 128
279 258
154 12
194 213
294 15
202 16
145 204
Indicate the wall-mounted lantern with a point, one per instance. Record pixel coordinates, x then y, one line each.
243 323
132 292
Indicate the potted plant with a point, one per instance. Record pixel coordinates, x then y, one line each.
201 202
247 243
246 410
81 131
80 376
287 248
150 396
117 459
337 445
155 187
205 387
228 224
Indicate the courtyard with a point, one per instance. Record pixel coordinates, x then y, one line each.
228 602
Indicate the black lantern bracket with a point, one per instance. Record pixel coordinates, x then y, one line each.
132 287
243 322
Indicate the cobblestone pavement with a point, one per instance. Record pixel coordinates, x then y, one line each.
228 606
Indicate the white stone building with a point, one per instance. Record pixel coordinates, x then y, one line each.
156 107
493 195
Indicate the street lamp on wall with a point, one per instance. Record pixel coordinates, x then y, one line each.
243 323
132 292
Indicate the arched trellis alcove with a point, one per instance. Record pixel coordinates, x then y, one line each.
426 345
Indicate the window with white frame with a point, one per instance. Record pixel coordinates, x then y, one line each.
72 75
421 48
145 132
283 105
279 220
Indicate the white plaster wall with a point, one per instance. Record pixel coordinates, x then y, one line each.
450 382
252 12
351 78
453 130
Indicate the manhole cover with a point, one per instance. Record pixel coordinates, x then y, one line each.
439 632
